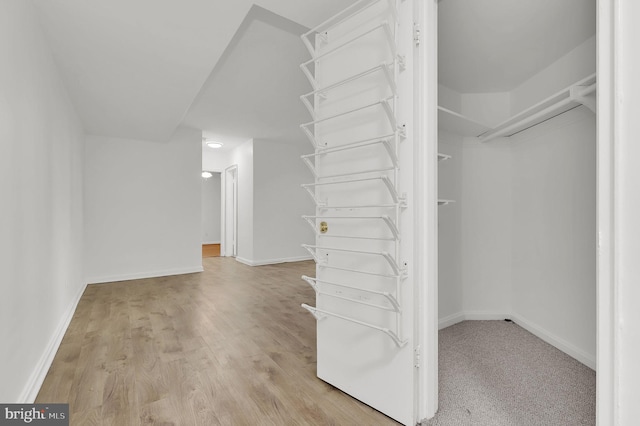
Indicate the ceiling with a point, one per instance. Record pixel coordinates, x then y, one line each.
133 67
254 90
495 45
137 69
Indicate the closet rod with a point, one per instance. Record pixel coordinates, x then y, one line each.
516 127
395 306
559 103
319 314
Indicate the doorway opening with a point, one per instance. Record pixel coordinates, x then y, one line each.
211 213
229 241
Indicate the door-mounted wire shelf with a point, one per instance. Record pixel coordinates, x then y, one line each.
318 56
397 270
311 220
322 30
384 103
395 306
385 141
399 199
385 69
319 314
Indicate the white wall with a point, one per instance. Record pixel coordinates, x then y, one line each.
279 202
211 209
214 160
489 109
41 156
486 227
449 99
450 229
627 212
553 236
142 207
243 158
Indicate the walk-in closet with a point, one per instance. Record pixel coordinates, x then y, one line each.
517 173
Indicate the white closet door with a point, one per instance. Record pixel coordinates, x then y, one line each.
361 108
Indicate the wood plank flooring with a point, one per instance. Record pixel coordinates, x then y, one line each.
210 250
229 346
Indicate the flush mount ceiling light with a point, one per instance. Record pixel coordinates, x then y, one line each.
206 174
215 145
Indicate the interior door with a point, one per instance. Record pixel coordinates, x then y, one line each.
361 130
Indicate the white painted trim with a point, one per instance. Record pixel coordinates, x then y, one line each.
566 347
224 250
425 210
471 316
272 261
31 389
143 275
210 242
450 320
486 316
607 39
559 343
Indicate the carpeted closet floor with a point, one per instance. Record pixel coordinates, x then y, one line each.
496 373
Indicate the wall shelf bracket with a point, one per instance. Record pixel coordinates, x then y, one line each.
584 95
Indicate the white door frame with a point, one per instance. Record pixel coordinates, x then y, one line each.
426 197
606 398
225 250
426 206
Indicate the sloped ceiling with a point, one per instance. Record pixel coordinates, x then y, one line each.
254 90
133 67
495 45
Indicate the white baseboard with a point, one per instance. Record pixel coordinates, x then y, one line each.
142 275
471 316
272 261
486 316
450 320
566 347
31 389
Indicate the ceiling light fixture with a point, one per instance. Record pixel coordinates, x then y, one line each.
206 174
215 145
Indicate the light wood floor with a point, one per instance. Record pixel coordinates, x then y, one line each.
228 346
210 250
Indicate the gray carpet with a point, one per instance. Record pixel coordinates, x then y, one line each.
496 373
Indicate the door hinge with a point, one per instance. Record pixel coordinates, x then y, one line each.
416 356
417 34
